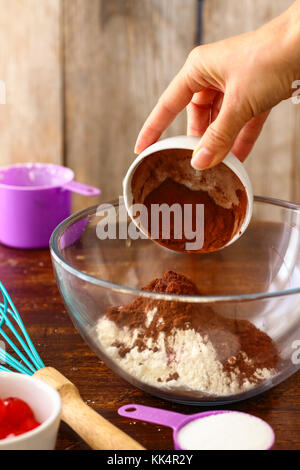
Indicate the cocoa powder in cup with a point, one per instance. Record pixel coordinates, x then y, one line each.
162 178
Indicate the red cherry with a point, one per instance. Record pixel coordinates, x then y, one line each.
5 429
16 418
28 425
2 410
17 411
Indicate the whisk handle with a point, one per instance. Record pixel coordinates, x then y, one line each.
95 430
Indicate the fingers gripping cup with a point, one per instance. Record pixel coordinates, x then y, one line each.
34 199
185 209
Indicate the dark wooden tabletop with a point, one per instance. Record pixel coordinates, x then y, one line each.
29 279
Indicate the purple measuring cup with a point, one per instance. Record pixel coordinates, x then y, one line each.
34 199
178 422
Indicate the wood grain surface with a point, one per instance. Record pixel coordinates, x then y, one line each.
82 75
119 57
29 279
30 65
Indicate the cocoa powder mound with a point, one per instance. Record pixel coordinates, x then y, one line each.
240 347
219 223
167 177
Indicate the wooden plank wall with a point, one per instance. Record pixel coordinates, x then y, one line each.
82 75
275 161
30 66
119 57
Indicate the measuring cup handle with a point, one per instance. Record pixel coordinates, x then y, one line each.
81 188
152 415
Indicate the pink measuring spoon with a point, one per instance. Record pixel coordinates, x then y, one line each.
250 426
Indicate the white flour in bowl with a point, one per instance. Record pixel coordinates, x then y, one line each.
185 345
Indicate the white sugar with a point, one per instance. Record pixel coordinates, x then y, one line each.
226 431
185 353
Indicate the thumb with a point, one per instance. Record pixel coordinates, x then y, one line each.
219 137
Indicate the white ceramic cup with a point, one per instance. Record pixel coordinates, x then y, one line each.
45 403
188 143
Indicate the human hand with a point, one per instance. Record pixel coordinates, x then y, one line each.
229 88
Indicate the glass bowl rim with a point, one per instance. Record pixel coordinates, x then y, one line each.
58 258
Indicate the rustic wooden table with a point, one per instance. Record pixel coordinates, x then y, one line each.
29 278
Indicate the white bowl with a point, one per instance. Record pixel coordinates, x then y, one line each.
45 403
188 143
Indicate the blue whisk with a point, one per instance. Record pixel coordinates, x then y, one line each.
95 430
10 321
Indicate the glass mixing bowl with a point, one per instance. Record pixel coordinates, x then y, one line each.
257 279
